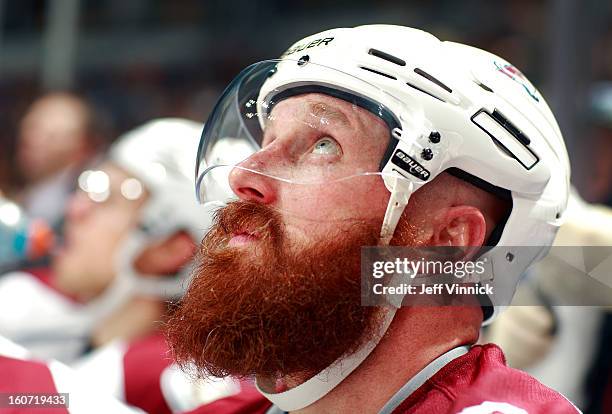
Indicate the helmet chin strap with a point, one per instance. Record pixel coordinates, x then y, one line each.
113 297
318 386
322 383
156 286
128 281
401 190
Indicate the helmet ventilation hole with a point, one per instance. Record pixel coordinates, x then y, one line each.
386 75
485 87
432 79
385 56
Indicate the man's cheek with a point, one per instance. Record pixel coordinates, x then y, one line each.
312 211
304 207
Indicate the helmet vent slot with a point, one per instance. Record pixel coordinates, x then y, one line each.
485 87
432 79
424 91
389 58
386 75
510 127
505 136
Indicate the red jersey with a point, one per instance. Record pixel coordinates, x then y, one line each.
481 382
477 382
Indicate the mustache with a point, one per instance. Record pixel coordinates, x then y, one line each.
244 217
249 217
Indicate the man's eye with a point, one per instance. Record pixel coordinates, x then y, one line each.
327 146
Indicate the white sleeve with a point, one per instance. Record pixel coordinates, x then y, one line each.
183 393
103 369
85 398
45 322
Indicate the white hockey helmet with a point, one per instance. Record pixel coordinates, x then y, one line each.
159 157
449 107
160 154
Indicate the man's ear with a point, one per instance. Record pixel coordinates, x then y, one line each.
166 257
459 226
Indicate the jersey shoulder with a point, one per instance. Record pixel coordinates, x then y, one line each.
481 382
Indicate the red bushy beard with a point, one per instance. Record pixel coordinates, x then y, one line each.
272 310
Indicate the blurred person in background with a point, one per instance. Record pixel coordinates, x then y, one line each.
598 178
131 360
130 233
58 135
111 229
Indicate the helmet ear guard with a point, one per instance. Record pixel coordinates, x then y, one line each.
411 160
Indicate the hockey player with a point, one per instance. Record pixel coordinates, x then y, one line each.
130 234
374 135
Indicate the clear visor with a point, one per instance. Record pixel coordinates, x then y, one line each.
296 123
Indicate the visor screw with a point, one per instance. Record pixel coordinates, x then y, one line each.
509 257
427 154
434 137
303 60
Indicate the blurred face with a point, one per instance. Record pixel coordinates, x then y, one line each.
51 136
94 230
277 291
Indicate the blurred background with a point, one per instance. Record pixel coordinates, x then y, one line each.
127 62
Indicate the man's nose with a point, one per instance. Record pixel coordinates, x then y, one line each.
249 182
